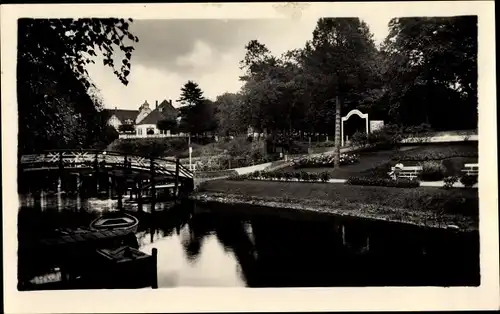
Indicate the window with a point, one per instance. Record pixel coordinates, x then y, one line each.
139 131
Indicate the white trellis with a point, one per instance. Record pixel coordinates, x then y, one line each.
345 118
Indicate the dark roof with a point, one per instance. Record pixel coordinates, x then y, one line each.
123 115
165 110
153 117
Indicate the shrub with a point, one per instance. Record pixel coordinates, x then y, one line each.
278 174
400 183
304 176
288 176
298 175
468 181
313 177
437 153
359 139
324 160
433 170
449 181
324 176
265 174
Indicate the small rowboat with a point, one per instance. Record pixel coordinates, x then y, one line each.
115 221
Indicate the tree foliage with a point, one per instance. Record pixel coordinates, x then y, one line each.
431 71
58 105
230 115
425 70
167 124
191 94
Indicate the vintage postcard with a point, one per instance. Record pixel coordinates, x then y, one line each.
249 157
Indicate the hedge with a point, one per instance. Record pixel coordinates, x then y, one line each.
399 183
215 174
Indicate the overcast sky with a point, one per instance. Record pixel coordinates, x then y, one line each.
171 52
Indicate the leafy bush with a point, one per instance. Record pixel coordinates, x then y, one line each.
389 136
468 181
304 176
313 177
324 161
278 174
326 144
399 183
288 176
215 174
433 171
298 175
436 152
324 176
449 181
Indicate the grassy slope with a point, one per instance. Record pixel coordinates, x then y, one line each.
378 163
429 206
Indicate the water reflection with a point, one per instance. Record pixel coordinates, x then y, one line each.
201 245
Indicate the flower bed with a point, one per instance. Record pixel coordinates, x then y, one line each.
399 183
284 176
324 160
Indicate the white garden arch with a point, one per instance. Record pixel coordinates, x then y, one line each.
352 112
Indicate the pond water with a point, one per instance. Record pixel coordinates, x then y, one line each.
212 245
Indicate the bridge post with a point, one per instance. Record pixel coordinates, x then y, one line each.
153 183
61 169
120 193
96 173
176 189
139 194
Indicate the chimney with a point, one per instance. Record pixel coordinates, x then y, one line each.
156 105
170 102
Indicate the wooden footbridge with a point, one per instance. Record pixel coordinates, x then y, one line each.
126 171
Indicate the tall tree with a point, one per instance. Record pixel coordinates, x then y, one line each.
340 63
191 97
53 87
432 70
191 94
230 114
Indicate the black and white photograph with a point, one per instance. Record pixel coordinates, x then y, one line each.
296 149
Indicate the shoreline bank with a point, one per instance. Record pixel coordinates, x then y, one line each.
349 210
424 207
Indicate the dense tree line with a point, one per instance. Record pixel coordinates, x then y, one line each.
424 72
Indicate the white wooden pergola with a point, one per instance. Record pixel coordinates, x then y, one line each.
346 117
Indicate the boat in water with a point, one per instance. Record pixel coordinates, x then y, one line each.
115 221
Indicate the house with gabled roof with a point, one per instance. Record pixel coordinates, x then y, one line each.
163 111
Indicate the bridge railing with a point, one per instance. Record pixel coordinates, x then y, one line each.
95 158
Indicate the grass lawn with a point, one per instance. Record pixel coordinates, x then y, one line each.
378 163
453 156
418 205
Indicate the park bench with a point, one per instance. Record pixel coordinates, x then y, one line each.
471 169
406 172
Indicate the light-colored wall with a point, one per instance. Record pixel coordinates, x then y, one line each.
142 129
115 122
143 113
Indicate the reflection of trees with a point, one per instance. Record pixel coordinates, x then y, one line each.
295 253
199 226
232 235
